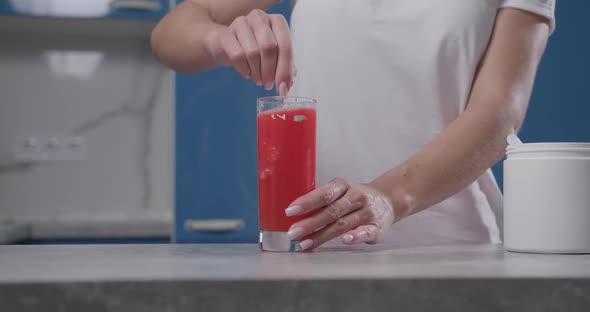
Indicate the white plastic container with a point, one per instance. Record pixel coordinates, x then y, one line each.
547 198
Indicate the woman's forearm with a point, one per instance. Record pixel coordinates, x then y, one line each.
185 39
456 158
180 39
477 139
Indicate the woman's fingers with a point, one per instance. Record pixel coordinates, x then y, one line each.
368 233
329 232
259 47
247 40
336 215
234 54
267 45
318 198
355 213
284 74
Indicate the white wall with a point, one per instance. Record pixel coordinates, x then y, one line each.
114 96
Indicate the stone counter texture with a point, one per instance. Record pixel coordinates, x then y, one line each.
241 278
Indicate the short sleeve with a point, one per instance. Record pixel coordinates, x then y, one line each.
545 8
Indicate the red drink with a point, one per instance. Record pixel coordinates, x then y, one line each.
286 165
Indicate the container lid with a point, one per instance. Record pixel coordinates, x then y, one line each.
556 149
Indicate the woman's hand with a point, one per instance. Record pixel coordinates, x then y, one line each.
358 213
259 47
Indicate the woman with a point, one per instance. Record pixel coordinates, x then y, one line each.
416 99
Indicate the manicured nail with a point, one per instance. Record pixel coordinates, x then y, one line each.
283 89
268 86
247 77
304 245
295 233
347 238
259 83
293 211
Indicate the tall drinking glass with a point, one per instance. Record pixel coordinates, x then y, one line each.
286 164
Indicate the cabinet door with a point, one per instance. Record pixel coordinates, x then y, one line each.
142 9
113 9
216 167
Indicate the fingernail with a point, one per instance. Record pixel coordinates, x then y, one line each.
258 83
283 89
304 245
295 233
247 77
293 210
268 86
347 238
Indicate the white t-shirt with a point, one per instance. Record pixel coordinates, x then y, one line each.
389 75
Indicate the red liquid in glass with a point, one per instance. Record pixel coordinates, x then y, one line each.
286 163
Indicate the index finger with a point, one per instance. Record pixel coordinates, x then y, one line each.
318 198
267 46
284 71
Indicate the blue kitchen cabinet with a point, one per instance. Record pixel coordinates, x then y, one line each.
216 167
109 9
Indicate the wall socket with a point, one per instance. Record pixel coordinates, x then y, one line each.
52 148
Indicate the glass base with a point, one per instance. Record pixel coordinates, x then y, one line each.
276 241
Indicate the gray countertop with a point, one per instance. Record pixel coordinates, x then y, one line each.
240 277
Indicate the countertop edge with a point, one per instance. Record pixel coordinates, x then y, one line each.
301 295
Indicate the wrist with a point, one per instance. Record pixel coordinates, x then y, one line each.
394 191
212 44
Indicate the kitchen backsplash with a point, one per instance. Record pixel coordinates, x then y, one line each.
86 131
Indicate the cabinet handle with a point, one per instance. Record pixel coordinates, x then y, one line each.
214 225
143 5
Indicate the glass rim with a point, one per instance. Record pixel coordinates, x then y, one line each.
278 98
271 103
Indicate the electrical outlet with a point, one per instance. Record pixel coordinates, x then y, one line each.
52 148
